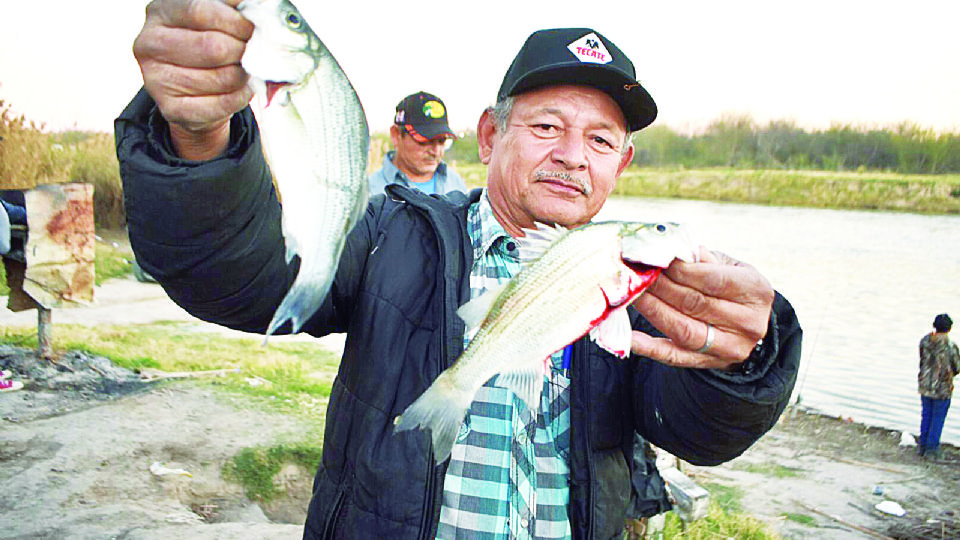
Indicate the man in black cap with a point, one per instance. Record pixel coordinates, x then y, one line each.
715 351
420 135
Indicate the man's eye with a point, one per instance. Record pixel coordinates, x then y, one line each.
603 142
545 127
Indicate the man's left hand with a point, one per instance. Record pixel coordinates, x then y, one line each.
689 298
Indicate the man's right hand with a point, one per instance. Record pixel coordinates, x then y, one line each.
189 53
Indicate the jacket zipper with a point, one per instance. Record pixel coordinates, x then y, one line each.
582 374
430 495
331 525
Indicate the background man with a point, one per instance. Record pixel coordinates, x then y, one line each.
420 135
939 364
715 349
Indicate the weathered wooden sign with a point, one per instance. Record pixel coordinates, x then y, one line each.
60 248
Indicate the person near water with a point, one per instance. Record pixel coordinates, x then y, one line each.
715 349
939 364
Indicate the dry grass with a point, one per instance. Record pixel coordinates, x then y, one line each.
30 157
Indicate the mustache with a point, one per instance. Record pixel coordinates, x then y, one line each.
542 174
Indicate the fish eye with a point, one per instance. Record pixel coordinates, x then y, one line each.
294 20
661 228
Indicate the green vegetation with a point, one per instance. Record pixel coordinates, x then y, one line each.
737 141
255 468
718 523
30 157
724 520
802 519
294 377
770 469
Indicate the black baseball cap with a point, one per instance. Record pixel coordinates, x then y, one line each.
580 56
423 116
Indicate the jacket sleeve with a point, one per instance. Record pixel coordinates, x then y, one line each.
707 416
209 232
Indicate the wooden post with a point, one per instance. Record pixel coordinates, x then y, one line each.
45 332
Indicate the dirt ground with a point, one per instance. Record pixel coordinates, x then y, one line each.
77 446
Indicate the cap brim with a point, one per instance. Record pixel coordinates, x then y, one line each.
635 102
426 132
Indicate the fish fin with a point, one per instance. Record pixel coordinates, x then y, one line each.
289 240
616 289
536 242
614 333
475 311
302 301
526 384
441 410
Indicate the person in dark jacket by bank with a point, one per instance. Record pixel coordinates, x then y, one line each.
715 349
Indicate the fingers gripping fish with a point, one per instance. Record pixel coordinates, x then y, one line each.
573 283
315 138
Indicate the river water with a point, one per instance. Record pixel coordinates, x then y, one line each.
866 287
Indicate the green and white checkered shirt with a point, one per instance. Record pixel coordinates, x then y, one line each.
508 476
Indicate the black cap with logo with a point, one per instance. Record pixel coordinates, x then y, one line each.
580 56
423 116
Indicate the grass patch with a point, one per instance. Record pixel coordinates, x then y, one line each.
726 497
802 519
255 468
769 469
718 523
298 375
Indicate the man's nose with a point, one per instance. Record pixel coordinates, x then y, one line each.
570 150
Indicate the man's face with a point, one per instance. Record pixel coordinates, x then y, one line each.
414 158
557 160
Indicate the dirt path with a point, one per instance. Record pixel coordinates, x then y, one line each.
76 464
811 463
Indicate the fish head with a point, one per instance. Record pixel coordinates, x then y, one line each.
655 244
283 50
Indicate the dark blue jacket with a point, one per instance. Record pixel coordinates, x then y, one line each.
210 233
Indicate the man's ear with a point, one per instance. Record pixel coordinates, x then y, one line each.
486 133
395 135
625 160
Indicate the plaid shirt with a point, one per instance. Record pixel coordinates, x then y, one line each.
508 474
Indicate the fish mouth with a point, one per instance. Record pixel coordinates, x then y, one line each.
641 268
564 180
272 88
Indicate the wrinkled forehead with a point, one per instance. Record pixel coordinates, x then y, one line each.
585 102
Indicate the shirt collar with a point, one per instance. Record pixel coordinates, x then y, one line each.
486 232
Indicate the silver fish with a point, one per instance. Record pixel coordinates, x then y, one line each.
573 282
315 139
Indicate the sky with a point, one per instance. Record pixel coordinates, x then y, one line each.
867 63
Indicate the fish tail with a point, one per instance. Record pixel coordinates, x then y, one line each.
441 410
301 302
